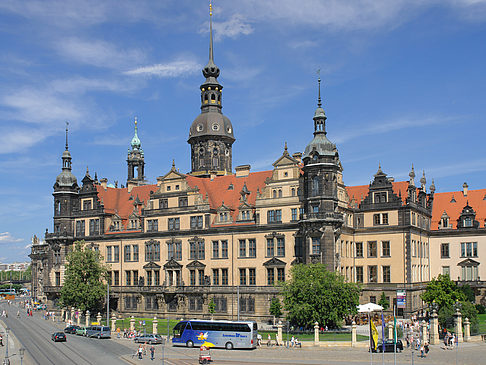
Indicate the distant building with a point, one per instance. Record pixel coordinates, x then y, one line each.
175 245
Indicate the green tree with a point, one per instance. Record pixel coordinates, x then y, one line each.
275 307
315 294
83 281
384 301
443 291
211 306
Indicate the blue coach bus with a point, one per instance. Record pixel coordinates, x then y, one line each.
224 334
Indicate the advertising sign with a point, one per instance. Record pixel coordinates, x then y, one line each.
401 299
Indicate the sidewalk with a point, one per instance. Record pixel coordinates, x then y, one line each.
13 348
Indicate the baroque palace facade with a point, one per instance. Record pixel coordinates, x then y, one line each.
230 236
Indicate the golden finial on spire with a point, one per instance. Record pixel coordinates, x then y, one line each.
136 120
210 8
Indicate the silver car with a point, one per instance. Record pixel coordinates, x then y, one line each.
149 338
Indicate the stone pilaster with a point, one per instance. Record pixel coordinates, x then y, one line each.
434 329
467 330
458 325
316 334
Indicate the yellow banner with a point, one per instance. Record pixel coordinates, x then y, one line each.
374 335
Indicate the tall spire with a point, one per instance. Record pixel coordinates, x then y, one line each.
319 103
211 71
135 143
67 124
319 115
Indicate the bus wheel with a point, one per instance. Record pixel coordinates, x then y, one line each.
189 344
228 346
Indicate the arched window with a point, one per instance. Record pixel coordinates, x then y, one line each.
205 98
213 98
274 193
280 193
215 158
293 191
201 157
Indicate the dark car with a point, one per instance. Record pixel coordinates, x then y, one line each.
58 337
390 346
71 329
148 338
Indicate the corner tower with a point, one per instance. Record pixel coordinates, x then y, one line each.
211 134
320 186
135 160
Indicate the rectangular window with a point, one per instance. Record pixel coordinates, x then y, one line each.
252 276
116 253
80 228
215 249
135 253
372 274
242 248
127 253
384 218
224 276
135 277
294 214
128 277
271 216
385 248
87 205
372 249
156 277
170 250
316 246
376 219
183 202
359 249
373 299
109 253
152 251
280 246
270 247
192 251
278 215
280 274
149 278
242 276
386 274
251 247
152 225
116 277
215 276
58 278
163 203
197 222
201 251
270 276
192 277
201 277
446 270
359 274
174 224
94 227
444 251
224 249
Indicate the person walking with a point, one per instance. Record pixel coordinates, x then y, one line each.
140 352
152 352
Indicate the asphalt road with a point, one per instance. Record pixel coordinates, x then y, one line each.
34 333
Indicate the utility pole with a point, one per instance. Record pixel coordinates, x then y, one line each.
107 304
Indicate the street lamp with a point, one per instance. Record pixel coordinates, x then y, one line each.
7 330
21 353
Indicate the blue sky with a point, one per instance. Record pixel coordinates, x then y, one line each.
403 83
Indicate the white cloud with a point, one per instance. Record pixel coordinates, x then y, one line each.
170 69
6 237
98 53
232 28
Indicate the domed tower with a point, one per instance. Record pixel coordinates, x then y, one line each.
320 185
135 160
65 195
211 134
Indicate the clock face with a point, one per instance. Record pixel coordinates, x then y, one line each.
215 127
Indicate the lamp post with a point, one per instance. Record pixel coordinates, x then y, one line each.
21 353
7 330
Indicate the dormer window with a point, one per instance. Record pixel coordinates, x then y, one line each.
87 205
468 222
445 222
246 215
223 217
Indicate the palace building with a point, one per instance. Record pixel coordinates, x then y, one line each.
231 234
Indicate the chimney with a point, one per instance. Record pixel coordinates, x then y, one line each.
297 156
212 175
464 189
242 170
104 182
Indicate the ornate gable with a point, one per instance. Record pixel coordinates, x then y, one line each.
195 265
151 266
274 262
172 264
380 193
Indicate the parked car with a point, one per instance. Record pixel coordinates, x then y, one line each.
98 331
58 337
71 329
390 346
81 331
149 338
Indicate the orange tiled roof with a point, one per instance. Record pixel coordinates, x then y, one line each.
444 202
360 192
218 192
